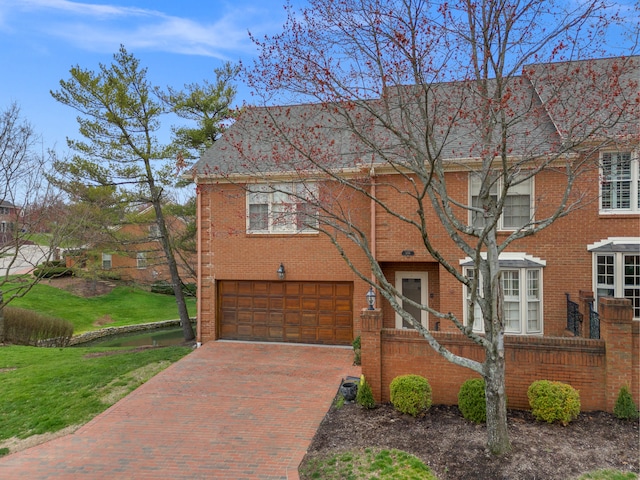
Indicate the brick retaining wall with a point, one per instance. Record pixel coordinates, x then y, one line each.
597 368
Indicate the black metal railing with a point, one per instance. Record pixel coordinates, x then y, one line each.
574 317
594 322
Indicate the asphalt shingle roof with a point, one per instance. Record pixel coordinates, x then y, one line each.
548 104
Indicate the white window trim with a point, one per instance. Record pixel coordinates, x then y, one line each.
107 257
501 227
424 296
271 228
141 260
635 185
614 244
529 262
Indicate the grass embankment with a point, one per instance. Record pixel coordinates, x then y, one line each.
125 305
48 389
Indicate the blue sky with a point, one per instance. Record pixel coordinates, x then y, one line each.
179 41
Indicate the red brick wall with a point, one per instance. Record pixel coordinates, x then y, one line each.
229 253
597 368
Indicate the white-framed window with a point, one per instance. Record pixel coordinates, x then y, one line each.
3 227
518 204
281 208
141 260
5 210
522 287
106 261
154 231
619 183
616 270
414 286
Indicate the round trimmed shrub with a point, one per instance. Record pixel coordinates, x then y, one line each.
625 408
410 394
553 401
472 401
364 397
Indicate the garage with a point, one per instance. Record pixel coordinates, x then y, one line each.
299 312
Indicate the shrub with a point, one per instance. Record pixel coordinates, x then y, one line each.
553 401
356 351
166 288
364 396
26 327
410 394
50 272
108 275
625 408
472 401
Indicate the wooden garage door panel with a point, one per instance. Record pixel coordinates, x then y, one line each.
311 312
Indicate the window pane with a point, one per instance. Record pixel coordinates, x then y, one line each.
284 217
517 210
533 301
632 282
605 270
511 284
616 180
512 316
258 217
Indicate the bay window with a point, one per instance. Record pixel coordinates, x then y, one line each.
521 277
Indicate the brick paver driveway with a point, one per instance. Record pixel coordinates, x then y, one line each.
229 410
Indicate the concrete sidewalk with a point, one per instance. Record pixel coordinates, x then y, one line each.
229 410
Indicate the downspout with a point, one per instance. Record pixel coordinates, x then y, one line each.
198 266
372 209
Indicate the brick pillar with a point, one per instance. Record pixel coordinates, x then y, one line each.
585 299
616 317
371 361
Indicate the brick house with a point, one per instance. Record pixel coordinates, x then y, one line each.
268 276
9 217
134 253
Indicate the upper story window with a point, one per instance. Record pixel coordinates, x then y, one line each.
141 260
616 270
5 210
154 231
518 204
522 288
281 208
619 180
106 261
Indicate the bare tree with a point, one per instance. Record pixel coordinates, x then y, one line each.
501 91
27 201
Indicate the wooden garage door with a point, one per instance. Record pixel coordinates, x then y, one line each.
304 312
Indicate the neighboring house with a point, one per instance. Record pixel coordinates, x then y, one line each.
135 253
9 215
267 277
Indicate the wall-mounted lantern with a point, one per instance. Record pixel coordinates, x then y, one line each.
281 272
371 298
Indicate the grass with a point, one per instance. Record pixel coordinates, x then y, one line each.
608 475
368 464
124 305
47 389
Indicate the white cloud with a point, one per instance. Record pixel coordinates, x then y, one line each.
103 28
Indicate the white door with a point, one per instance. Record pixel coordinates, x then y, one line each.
412 285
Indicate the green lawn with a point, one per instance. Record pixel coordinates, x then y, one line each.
47 389
124 305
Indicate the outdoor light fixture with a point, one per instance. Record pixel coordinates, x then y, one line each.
371 298
281 272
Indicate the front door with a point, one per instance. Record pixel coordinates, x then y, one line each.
413 286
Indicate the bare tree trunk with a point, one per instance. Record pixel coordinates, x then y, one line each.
176 281
497 433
